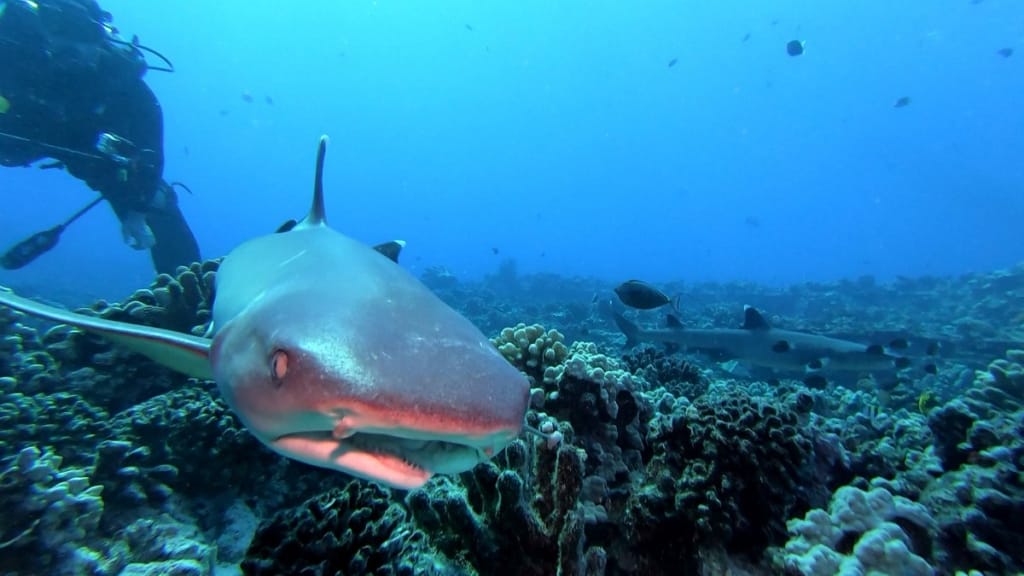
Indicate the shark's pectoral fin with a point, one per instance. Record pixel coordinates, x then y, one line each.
181 352
391 249
816 364
184 353
286 227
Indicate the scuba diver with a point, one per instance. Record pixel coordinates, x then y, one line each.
72 91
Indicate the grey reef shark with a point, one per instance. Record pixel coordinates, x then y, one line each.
333 355
759 344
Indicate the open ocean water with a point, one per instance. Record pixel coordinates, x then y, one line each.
682 288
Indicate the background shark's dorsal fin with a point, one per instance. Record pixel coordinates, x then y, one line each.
317 216
673 321
752 319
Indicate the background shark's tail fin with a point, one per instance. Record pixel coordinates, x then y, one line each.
675 305
632 331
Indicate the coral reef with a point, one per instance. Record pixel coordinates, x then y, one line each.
525 519
979 501
863 532
357 529
123 472
725 469
678 376
188 429
62 422
64 359
532 349
667 463
182 302
49 511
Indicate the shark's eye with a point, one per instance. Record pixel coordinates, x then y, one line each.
279 364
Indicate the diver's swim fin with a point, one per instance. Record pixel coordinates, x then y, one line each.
23 253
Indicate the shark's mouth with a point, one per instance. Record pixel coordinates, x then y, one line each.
437 456
396 460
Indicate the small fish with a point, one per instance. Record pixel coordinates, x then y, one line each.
901 102
641 295
5 105
1005 52
135 40
746 37
672 62
495 251
468 27
925 402
246 96
268 100
223 112
795 47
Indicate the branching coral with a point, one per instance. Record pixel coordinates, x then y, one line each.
357 529
524 519
182 303
723 469
532 349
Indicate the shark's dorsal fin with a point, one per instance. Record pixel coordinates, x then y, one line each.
673 321
317 216
752 319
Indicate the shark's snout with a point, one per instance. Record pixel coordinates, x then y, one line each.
376 445
376 407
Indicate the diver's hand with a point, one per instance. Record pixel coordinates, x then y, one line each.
136 232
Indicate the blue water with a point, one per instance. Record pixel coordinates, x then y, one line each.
557 134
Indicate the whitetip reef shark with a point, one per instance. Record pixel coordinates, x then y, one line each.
333 355
759 344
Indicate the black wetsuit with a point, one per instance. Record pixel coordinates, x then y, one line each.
65 83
